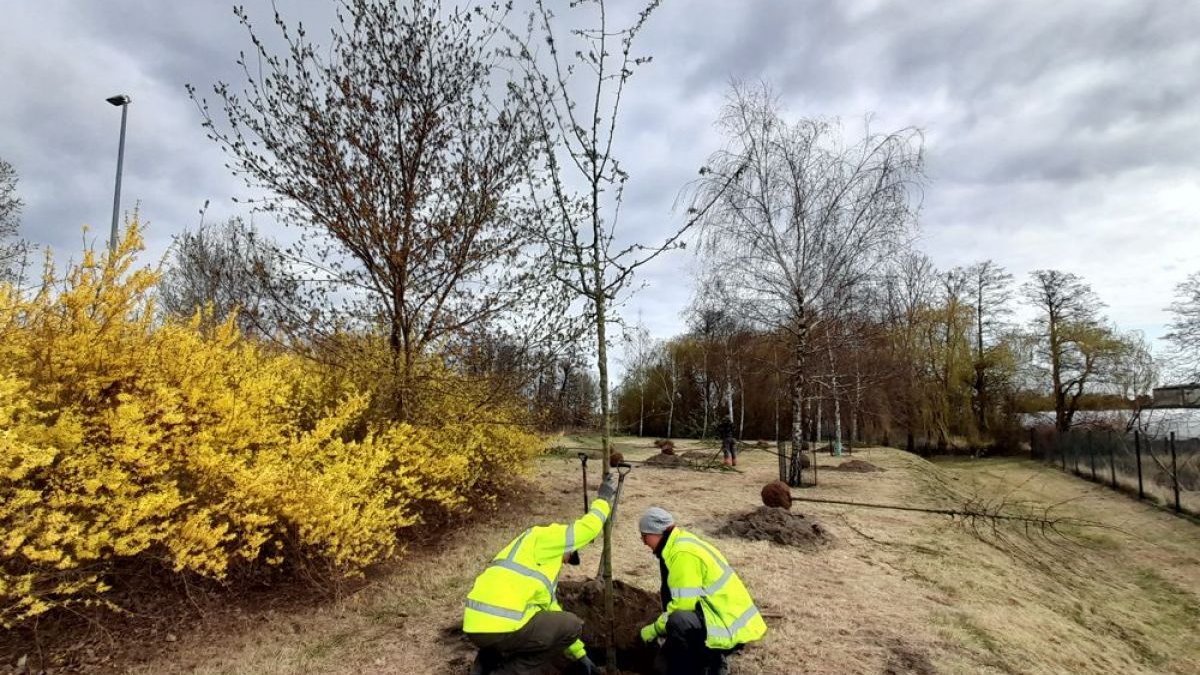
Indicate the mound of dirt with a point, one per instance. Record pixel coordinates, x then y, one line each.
615 459
698 454
779 525
666 445
857 466
632 608
777 494
667 461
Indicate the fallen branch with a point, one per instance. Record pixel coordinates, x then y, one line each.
967 513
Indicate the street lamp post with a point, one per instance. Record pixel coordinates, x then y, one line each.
122 101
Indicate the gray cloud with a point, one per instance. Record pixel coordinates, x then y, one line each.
1058 134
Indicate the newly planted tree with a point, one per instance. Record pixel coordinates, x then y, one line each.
574 82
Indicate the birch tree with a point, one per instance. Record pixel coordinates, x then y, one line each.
802 216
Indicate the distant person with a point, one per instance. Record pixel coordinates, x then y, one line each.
512 614
728 445
707 611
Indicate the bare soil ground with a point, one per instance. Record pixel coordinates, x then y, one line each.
894 592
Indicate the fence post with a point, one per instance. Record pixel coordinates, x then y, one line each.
814 452
1137 446
1175 473
1112 465
1074 450
1091 452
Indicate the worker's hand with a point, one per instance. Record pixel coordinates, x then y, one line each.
608 488
649 633
588 666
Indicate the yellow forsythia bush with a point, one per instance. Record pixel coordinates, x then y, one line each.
128 438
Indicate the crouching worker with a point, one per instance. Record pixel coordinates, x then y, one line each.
707 611
512 614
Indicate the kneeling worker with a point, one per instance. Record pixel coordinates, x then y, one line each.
707 611
512 614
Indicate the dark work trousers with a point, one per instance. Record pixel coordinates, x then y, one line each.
533 649
684 651
729 448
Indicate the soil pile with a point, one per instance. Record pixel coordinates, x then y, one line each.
667 461
777 494
615 458
779 525
857 466
666 446
632 609
702 455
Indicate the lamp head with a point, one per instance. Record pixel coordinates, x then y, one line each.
118 100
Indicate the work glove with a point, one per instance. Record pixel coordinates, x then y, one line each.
608 487
588 666
649 633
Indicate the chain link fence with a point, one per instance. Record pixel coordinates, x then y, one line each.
1158 468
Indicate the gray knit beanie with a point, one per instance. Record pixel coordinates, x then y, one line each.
655 521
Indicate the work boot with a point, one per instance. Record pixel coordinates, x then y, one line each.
718 664
481 665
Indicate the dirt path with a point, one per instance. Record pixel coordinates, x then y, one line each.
895 592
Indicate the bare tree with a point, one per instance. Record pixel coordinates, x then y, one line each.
801 217
668 374
991 290
1133 374
230 268
639 357
1184 335
12 249
391 149
578 126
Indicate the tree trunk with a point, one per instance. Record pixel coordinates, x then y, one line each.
670 414
980 397
836 443
798 386
742 409
856 402
820 414
641 408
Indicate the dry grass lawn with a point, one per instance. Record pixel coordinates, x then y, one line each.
896 592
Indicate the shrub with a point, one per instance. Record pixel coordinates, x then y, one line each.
128 440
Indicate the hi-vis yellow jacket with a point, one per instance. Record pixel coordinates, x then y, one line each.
697 574
522 578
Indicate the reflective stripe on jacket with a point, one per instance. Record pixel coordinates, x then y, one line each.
697 574
521 580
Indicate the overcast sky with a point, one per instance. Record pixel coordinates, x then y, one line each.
1059 134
